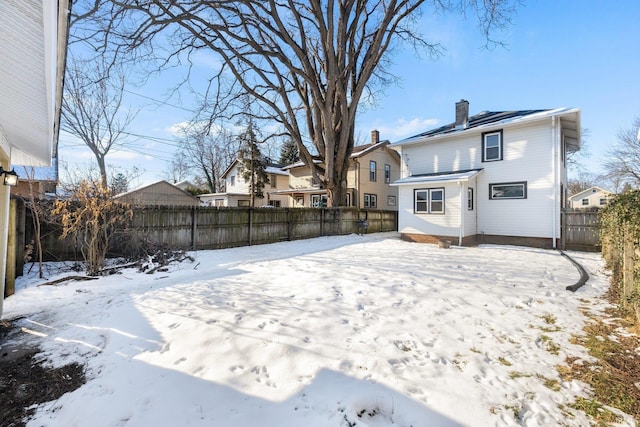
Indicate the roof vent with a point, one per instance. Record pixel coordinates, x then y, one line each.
462 114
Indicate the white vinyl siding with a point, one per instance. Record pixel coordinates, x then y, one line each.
527 157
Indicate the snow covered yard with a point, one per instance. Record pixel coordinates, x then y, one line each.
336 331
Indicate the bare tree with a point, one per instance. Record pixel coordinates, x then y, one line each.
307 63
208 153
92 107
623 163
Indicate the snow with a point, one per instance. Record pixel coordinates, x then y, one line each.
335 331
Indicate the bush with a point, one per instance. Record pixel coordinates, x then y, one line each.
93 218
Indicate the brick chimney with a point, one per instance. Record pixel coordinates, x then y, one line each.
462 114
375 137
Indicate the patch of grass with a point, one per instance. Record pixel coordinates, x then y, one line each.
602 416
548 344
459 361
550 383
614 373
504 361
515 375
475 350
549 319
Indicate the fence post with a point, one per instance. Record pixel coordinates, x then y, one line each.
627 267
194 227
250 224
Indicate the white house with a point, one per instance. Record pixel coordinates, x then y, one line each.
594 197
33 44
495 177
238 189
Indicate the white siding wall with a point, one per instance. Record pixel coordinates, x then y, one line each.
423 223
527 156
470 223
240 185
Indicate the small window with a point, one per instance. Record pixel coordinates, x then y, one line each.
272 180
603 201
372 171
347 199
370 201
243 203
508 190
470 199
387 174
391 200
299 200
274 203
492 146
436 201
232 180
585 202
429 200
319 200
421 201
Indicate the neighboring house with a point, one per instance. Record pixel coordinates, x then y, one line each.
238 190
42 181
495 177
372 168
33 46
184 185
159 193
594 197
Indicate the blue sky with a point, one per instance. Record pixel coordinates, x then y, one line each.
559 53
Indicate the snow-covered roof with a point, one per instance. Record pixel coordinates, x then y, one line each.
490 119
438 177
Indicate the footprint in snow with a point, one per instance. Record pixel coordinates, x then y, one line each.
179 361
174 325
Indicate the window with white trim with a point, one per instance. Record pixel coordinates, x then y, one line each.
370 200
232 180
387 174
428 200
319 200
508 190
603 201
372 171
470 199
585 202
492 146
391 200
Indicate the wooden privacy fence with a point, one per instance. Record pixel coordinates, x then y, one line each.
194 228
580 230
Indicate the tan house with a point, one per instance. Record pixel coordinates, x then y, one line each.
372 168
159 193
594 197
238 192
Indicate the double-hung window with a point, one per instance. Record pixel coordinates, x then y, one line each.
492 146
387 174
508 190
372 171
470 199
370 201
585 202
429 200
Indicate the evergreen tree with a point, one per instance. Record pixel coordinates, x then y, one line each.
119 184
253 163
289 153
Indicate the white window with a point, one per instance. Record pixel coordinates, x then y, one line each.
470 199
387 174
347 199
508 190
244 203
274 203
491 146
272 180
370 200
232 180
391 200
372 171
603 201
585 202
429 200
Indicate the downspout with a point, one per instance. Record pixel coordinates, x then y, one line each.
357 185
461 235
555 183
